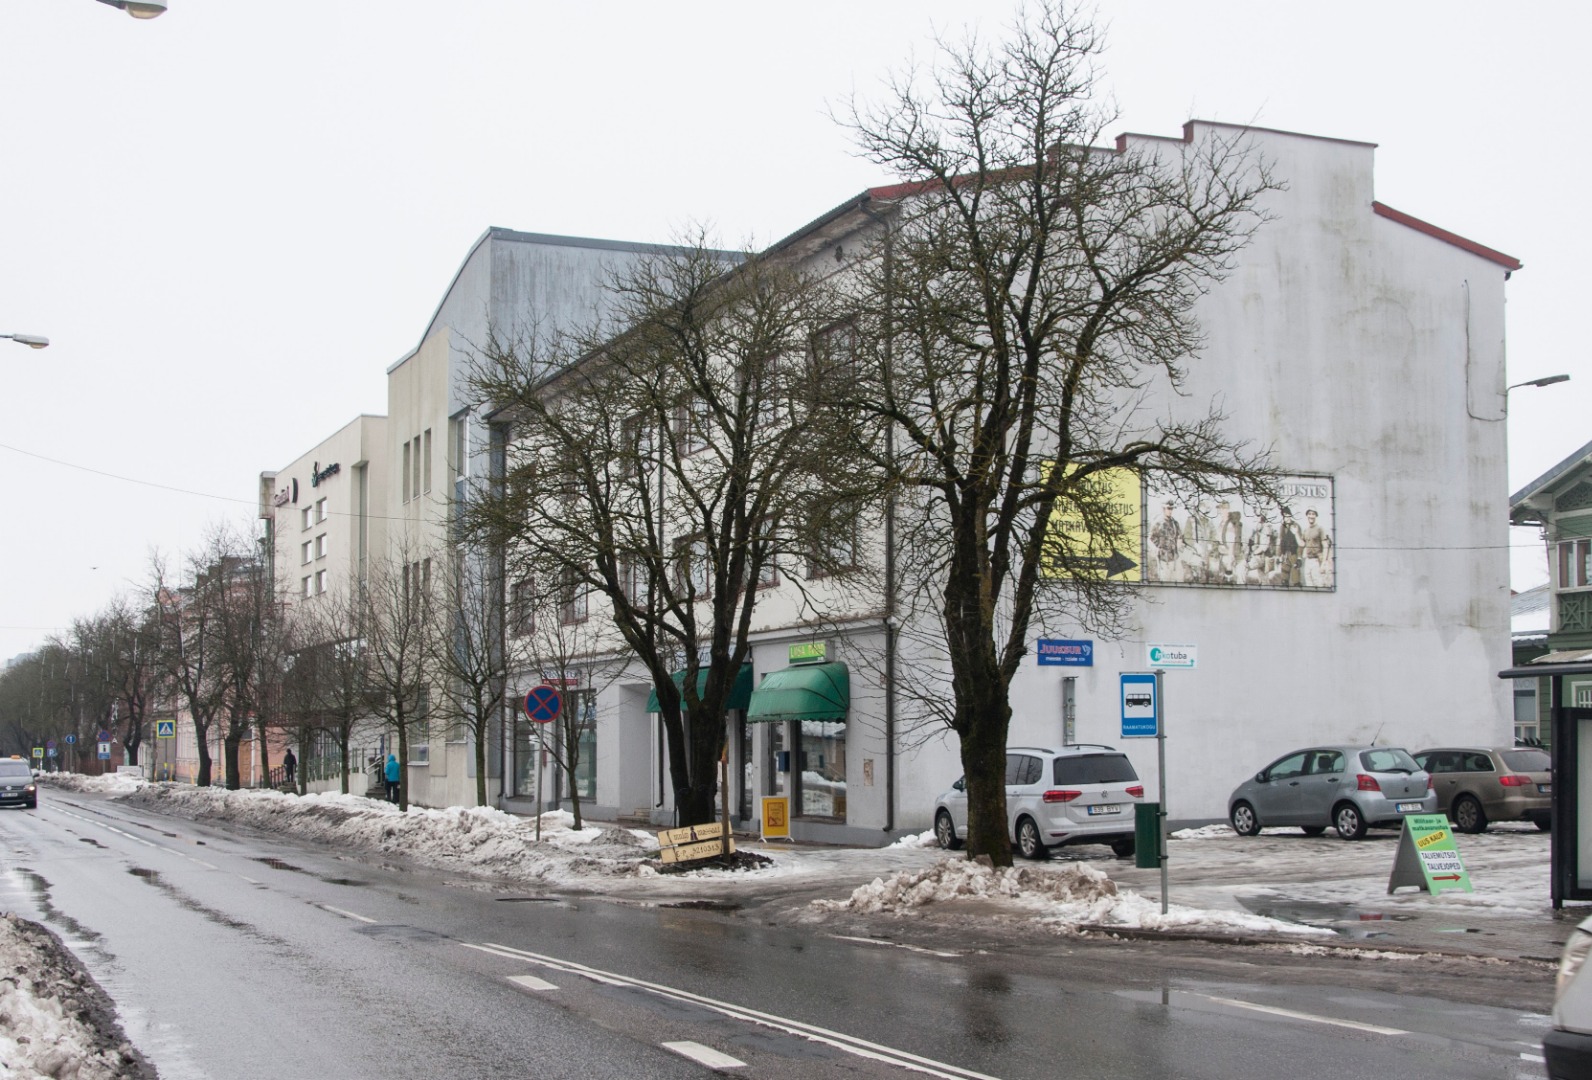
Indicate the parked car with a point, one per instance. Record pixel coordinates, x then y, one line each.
16 783
1568 1047
1480 784
1080 794
1351 788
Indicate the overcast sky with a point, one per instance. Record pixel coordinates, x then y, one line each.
230 220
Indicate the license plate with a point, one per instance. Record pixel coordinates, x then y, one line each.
1105 808
1409 808
1545 789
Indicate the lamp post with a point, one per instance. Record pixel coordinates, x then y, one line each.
1546 380
139 9
32 341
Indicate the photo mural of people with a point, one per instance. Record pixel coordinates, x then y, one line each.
1220 540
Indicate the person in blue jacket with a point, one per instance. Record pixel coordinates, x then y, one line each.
391 775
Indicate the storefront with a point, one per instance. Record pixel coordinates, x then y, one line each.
805 706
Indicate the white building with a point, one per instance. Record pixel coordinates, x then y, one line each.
1365 347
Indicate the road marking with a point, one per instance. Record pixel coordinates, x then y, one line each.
1311 1017
1538 1058
839 1040
704 1055
531 982
345 914
896 945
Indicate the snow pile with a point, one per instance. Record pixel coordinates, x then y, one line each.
917 840
1070 898
109 784
958 879
55 1021
478 838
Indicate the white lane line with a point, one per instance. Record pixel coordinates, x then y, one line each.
704 1055
1538 1058
250 880
345 914
531 982
839 1040
1311 1017
896 945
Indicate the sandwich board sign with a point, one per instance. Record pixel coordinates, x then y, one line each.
1427 857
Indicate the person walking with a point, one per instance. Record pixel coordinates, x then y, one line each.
391 776
289 765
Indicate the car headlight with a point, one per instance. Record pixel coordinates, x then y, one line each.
30 790
1575 954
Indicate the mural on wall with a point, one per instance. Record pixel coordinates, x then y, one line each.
1193 538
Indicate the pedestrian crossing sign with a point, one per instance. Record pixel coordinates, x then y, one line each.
165 729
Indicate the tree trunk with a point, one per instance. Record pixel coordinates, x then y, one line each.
202 737
984 768
342 751
403 767
480 765
229 751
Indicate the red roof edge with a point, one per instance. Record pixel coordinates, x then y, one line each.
1508 262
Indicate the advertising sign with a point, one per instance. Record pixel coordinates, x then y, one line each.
1063 653
1096 529
1172 656
1196 538
1427 856
776 818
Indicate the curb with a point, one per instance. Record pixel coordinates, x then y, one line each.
1136 934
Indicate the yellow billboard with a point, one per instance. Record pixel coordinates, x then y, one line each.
1096 527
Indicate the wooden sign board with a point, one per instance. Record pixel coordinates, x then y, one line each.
703 849
691 834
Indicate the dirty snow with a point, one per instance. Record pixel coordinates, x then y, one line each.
55 1021
1066 899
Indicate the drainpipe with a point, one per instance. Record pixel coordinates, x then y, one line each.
891 622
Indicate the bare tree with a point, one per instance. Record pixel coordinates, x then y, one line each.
186 622
467 653
1028 310
664 469
327 683
396 615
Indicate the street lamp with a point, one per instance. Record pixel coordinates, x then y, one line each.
139 9
1546 380
32 341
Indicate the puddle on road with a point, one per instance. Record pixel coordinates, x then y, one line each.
277 864
526 899
704 905
1349 920
343 881
91 840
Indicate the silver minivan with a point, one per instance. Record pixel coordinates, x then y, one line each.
1351 788
1079 794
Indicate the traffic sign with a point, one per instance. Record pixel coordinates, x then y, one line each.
49 744
165 729
38 753
1172 656
1141 713
543 703
104 751
104 736
70 739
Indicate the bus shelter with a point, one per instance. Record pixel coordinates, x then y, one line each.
1570 874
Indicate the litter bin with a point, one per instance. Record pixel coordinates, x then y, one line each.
1147 835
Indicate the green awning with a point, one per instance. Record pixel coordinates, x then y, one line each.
740 691
802 692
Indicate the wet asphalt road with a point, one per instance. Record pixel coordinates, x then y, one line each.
239 955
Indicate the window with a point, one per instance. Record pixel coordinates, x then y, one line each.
834 356
408 448
308 520
768 573
307 582
308 548
1575 564
692 421
640 444
835 548
420 743
633 579
414 462
522 615
572 598
426 454
693 570
320 546
320 510
320 582
459 444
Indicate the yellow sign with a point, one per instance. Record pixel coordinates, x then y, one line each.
711 830
776 818
707 849
1097 530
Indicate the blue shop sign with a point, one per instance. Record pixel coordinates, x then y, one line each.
1060 652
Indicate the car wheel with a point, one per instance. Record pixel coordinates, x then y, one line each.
1347 820
1028 840
1313 830
1468 815
945 831
1123 848
1243 819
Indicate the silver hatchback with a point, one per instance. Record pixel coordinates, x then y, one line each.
1351 788
1058 795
